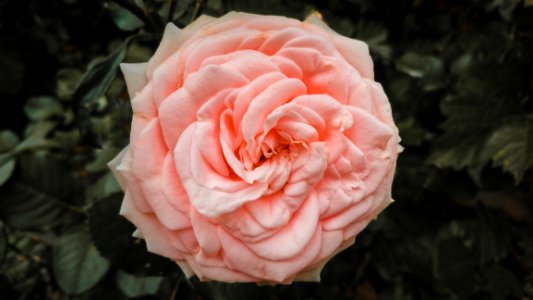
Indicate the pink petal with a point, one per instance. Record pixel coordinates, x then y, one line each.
148 158
206 233
157 237
206 273
352 214
219 44
270 211
249 63
211 194
131 183
354 51
180 108
172 187
372 137
249 92
243 226
272 97
244 260
144 111
173 39
293 237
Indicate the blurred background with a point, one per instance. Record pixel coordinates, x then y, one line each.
458 75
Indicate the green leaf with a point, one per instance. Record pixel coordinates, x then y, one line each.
112 236
416 65
133 286
102 188
7 165
103 156
124 19
42 108
469 123
66 139
98 78
41 194
32 143
110 232
37 136
428 69
67 81
466 152
77 264
511 147
8 140
95 83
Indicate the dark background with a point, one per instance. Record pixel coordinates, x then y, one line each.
459 78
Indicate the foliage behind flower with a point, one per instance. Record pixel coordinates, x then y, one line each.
457 74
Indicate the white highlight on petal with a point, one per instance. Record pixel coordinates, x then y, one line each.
187 271
134 74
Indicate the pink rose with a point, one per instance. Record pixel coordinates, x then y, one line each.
260 147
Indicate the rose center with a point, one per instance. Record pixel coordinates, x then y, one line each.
275 142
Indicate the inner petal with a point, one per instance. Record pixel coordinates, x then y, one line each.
274 96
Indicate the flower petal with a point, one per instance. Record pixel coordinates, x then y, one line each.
354 51
293 237
134 74
157 236
173 39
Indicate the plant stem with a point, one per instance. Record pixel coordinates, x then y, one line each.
171 9
198 9
175 289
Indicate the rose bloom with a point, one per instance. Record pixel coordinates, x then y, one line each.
260 147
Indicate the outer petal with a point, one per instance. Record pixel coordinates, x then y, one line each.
147 166
314 273
173 39
134 74
354 51
156 235
113 164
243 259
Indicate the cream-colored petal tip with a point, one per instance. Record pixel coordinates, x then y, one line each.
204 19
135 77
184 266
400 148
113 164
170 30
316 19
137 234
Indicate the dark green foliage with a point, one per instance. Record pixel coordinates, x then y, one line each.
77 264
459 78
